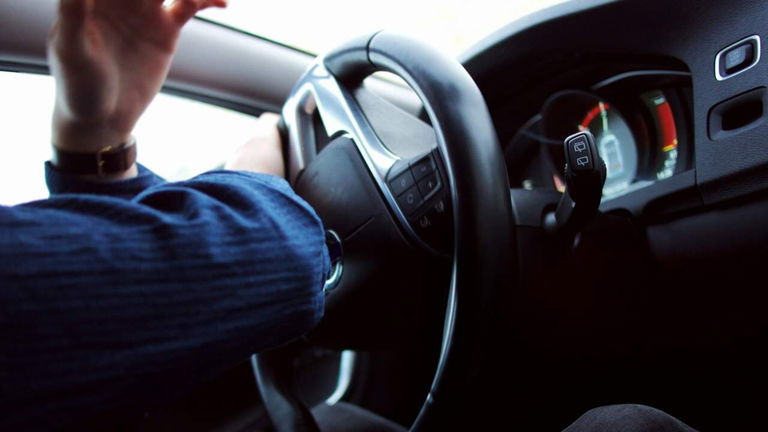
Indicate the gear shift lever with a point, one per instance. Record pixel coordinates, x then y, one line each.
584 179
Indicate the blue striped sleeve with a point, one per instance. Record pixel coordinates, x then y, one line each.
118 303
62 183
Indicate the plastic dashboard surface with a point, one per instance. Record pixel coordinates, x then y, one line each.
576 45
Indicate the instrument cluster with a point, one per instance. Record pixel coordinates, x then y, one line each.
640 123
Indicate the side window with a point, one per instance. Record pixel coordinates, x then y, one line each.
177 137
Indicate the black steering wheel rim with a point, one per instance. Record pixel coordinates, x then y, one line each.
483 253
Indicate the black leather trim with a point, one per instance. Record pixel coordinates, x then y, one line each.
349 62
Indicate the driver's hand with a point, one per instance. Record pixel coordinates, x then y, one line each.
264 152
110 58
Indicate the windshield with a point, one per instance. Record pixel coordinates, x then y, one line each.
318 26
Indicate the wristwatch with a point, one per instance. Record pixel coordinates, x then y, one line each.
109 160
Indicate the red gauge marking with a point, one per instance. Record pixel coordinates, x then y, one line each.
594 112
668 128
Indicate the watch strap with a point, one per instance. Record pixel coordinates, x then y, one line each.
109 160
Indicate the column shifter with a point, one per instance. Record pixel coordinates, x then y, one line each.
584 179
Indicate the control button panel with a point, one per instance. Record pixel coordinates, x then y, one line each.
410 200
418 189
423 168
435 224
402 183
415 184
428 185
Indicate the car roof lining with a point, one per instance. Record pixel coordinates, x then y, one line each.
213 63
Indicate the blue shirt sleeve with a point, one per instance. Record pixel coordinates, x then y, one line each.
117 299
62 183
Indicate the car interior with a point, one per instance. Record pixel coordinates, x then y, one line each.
572 213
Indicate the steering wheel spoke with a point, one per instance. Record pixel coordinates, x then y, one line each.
411 179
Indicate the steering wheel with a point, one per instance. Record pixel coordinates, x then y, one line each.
388 185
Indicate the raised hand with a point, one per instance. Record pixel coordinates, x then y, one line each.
110 58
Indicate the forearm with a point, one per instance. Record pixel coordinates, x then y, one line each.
139 300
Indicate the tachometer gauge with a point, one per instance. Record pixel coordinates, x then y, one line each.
663 118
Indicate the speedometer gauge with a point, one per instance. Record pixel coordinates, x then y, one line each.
615 144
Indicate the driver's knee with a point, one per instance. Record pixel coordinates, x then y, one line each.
627 418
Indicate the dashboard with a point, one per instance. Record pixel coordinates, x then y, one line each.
549 73
657 300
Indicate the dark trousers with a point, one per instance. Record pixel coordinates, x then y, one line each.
344 417
627 418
